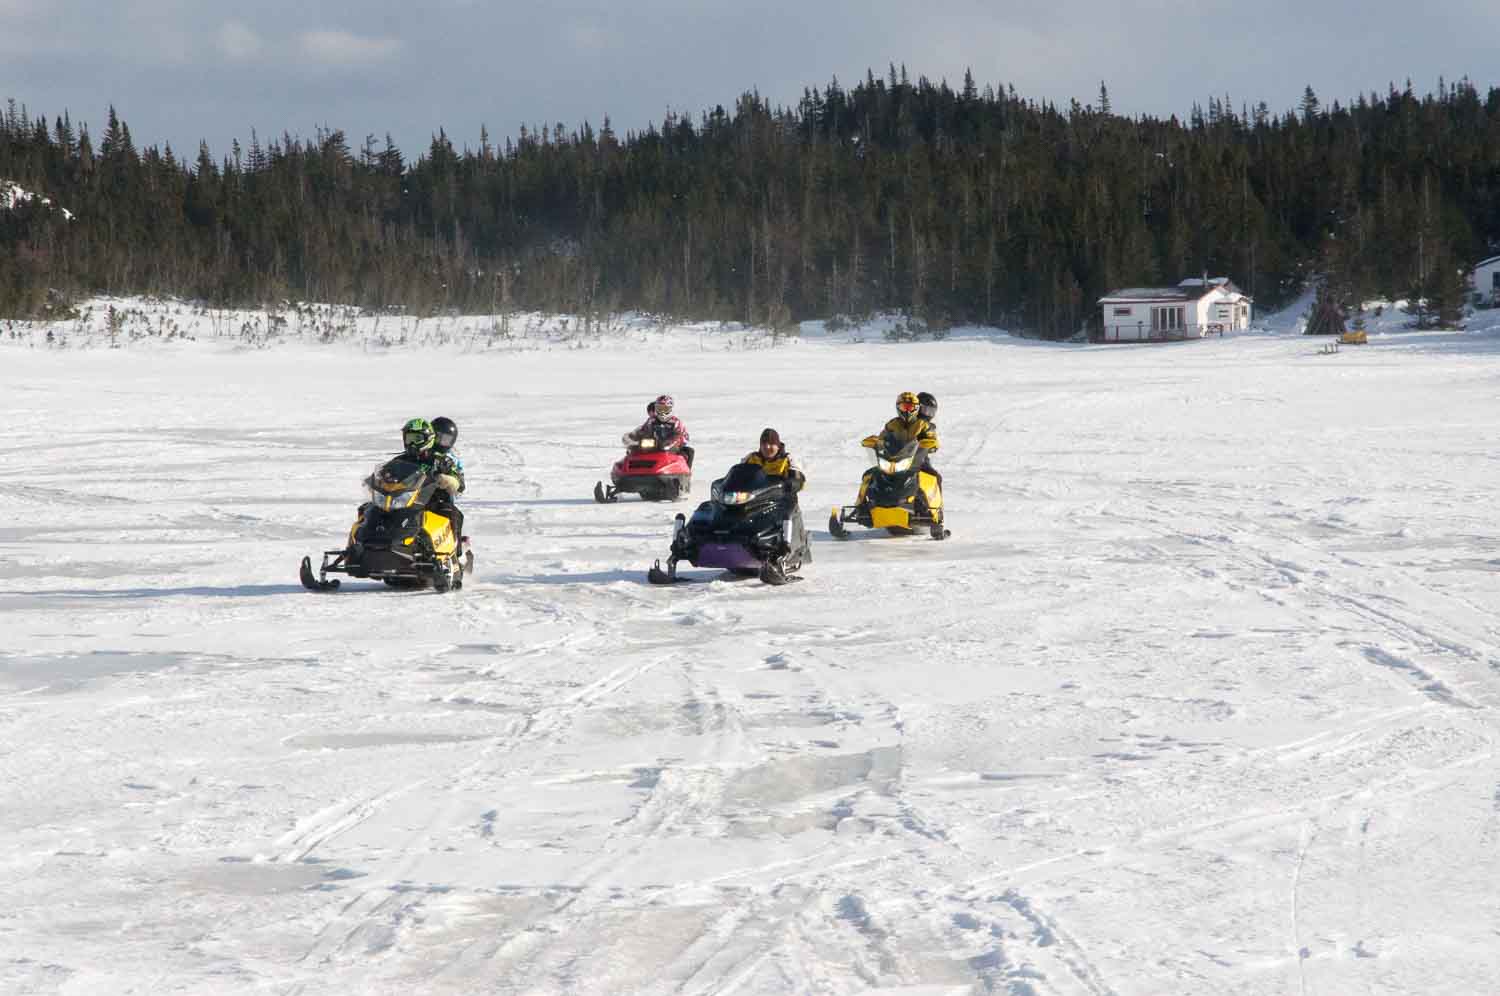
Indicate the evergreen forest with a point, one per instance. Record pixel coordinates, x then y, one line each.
948 205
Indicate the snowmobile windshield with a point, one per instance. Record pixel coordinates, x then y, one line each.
895 455
743 484
399 483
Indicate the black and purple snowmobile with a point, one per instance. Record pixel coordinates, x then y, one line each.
750 525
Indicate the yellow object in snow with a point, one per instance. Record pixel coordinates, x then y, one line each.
1354 337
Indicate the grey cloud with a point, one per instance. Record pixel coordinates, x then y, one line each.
238 41
341 48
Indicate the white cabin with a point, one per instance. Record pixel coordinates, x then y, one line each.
1196 307
1486 281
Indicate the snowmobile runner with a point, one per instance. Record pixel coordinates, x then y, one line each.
898 494
648 469
744 528
401 535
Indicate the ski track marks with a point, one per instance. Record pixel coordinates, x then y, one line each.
375 903
1308 579
1171 711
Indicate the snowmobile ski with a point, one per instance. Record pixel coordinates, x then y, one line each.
772 575
656 575
312 583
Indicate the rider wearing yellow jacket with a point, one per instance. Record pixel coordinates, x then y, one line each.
908 425
776 461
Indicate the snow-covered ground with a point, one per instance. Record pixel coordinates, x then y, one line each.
1202 696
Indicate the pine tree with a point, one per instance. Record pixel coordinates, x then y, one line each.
1447 291
1309 105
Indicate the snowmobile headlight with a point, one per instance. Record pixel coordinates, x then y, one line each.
648 444
895 466
736 497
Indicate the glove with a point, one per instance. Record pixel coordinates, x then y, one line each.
628 440
870 441
448 483
928 444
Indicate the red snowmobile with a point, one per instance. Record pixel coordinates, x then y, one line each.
648 469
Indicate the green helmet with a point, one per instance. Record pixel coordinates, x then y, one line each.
417 435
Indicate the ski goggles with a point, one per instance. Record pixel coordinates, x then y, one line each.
662 411
415 439
447 439
906 407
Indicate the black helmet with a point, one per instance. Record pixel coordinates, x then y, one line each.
926 406
446 431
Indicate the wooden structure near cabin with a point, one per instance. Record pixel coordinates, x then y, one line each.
1327 317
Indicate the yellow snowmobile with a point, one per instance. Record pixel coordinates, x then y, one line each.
401 535
898 494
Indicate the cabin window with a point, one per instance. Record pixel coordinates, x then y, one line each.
1166 319
1125 312
1495 281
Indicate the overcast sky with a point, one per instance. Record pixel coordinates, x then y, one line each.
183 70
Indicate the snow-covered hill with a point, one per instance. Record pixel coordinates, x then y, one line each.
1201 697
12 195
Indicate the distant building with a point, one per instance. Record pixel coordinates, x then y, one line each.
1194 308
1486 281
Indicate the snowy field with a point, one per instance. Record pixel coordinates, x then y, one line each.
1202 696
